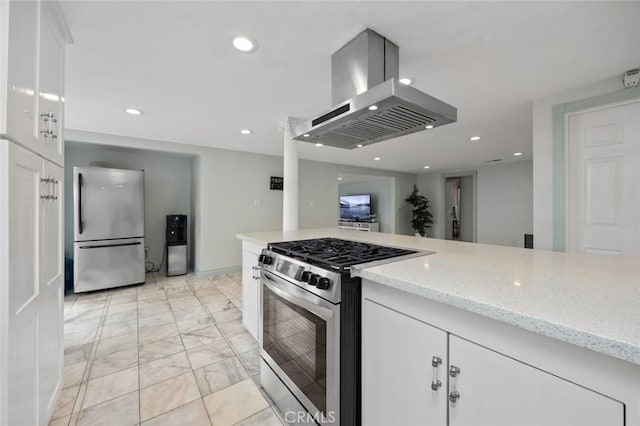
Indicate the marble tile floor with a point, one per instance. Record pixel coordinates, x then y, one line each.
170 352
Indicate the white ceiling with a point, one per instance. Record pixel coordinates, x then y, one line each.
174 60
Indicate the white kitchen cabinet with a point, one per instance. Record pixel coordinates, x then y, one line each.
251 299
497 390
50 344
32 286
20 44
397 356
50 86
32 37
492 389
32 77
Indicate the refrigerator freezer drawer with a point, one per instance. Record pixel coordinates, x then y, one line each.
108 263
176 260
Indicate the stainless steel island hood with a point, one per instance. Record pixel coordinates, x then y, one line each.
370 104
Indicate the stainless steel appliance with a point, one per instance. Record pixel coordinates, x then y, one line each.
176 237
370 104
108 228
310 329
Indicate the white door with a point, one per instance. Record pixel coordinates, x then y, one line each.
496 390
397 370
51 289
603 174
50 89
25 173
22 65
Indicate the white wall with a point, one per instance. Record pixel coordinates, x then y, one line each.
504 202
382 199
167 187
232 195
543 156
431 185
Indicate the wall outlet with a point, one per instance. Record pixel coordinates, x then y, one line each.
257 203
631 78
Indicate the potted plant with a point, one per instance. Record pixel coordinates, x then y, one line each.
422 217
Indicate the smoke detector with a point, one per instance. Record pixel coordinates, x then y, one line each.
631 78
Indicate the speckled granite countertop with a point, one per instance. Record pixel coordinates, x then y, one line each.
589 301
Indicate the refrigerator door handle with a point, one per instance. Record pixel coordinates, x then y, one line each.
111 245
80 203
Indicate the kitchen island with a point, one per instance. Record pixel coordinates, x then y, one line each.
531 332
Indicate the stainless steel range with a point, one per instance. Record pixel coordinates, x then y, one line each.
310 330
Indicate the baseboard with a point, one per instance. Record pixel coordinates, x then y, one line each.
218 271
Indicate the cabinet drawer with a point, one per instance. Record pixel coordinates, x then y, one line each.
105 264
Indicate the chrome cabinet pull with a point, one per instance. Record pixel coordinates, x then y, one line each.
49 184
44 182
454 395
256 269
55 183
435 383
50 120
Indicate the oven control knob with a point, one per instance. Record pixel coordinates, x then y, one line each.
323 283
267 260
305 276
313 279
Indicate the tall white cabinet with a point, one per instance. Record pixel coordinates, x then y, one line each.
32 39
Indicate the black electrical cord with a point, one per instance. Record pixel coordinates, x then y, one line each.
153 266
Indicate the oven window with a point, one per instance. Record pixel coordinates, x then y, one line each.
296 340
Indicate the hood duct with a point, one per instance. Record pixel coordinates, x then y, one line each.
370 104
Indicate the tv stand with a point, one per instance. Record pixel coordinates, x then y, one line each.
359 226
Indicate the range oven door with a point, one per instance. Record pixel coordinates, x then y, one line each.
300 337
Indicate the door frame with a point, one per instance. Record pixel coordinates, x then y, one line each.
567 207
443 185
559 147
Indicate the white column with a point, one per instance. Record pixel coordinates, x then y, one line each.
290 192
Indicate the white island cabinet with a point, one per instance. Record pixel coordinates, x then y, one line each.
32 40
251 287
514 336
417 372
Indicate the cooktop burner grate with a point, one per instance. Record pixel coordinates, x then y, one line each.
336 254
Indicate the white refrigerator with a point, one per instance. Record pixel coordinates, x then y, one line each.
108 246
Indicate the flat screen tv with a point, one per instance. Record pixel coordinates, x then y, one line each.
355 207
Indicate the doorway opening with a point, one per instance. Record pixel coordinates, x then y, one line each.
460 207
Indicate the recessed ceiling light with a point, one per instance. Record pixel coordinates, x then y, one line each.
319 144
246 131
406 81
133 111
377 158
517 154
373 107
306 135
339 178
474 138
427 167
359 145
245 44
430 126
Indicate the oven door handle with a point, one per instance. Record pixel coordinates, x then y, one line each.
279 287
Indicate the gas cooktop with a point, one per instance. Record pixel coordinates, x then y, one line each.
335 254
